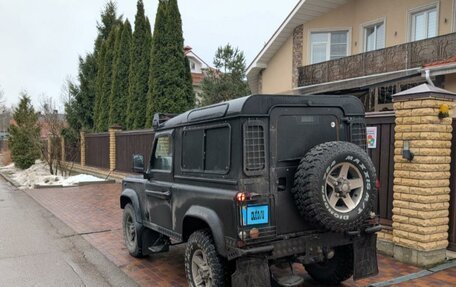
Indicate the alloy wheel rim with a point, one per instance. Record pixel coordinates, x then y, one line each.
130 230
344 187
201 273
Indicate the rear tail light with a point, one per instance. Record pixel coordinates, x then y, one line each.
241 197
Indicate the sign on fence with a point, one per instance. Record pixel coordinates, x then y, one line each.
371 137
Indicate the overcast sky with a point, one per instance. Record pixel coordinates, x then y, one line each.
40 41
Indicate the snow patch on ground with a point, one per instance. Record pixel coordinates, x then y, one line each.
38 174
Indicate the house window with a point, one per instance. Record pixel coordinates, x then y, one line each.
424 24
193 66
327 46
374 37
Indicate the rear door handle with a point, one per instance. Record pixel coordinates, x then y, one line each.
166 194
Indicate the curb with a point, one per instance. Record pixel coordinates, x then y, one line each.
9 179
416 275
38 186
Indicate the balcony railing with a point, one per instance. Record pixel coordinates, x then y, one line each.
396 58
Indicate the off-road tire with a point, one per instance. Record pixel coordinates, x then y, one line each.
128 218
335 270
203 240
309 188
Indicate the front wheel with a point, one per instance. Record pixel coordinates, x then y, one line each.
335 270
203 266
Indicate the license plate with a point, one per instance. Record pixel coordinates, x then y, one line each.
255 214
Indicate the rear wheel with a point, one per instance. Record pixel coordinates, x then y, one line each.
203 266
335 270
132 232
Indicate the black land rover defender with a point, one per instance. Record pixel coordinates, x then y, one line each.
256 184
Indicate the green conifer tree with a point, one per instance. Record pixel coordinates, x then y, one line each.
84 95
171 89
120 84
99 86
24 134
109 20
106 83
139 70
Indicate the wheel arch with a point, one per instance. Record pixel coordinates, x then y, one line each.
130 196
199 217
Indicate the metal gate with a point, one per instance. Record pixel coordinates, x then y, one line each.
383 159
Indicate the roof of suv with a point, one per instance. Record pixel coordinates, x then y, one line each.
262 104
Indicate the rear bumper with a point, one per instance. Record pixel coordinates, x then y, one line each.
364 248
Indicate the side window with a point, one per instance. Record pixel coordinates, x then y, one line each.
254 147
193 150
162 158
206 150
217 151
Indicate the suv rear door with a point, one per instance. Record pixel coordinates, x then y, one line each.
294 131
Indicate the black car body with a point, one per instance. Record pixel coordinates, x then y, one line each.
229 168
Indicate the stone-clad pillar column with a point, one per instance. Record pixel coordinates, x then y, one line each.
421 185
112 146
82 147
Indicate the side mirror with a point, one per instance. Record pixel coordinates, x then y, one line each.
138 163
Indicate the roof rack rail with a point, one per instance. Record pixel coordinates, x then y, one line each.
160 118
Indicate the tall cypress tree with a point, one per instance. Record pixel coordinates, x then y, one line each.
120 84
106 83
99 85
171 89
109 20
139 70
85 97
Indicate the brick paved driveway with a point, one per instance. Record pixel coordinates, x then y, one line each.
94 212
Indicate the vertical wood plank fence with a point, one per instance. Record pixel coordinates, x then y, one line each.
383 158
97 150
132 142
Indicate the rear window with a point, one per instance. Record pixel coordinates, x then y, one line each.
297 134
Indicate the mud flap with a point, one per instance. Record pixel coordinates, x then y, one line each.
365 257
251 272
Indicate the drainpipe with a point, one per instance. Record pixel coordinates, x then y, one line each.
428 77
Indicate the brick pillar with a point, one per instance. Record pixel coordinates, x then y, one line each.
62 147
112 146
82 147
421 185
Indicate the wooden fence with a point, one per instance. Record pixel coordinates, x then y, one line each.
98 146
383 158
97 150
130 143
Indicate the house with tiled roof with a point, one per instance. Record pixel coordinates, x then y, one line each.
368 48
198 67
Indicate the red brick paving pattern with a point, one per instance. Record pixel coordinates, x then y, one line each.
94 210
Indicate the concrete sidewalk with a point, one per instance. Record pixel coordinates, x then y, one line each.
37 249
94 212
